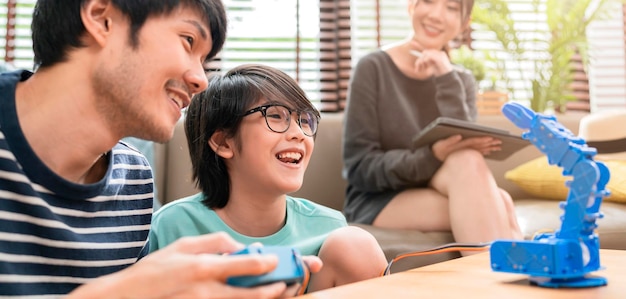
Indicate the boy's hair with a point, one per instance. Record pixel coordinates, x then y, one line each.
57 26
221 108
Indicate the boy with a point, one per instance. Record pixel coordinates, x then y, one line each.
250 137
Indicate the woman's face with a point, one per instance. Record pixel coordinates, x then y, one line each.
435 22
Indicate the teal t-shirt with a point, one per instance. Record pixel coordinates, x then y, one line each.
306 228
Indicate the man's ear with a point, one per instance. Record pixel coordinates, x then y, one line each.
97 19
221 145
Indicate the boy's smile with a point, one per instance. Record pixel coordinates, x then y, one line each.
290 157
279 171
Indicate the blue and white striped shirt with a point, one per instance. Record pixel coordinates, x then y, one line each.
54 234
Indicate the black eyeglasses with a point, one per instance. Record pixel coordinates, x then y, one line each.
278 118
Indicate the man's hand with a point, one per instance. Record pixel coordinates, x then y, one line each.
191 267
444 147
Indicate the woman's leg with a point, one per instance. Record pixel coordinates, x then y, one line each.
510 210
350 254
464 199
479 210
419 209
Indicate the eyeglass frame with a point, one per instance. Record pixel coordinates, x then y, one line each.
263 110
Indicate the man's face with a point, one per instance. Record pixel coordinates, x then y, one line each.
141 91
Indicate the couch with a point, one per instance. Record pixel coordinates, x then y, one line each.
323 183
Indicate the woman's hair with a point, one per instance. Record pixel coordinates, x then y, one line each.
57 26
221 108
466 11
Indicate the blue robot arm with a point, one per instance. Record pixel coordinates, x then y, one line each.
565 257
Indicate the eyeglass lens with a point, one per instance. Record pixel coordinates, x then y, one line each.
278 118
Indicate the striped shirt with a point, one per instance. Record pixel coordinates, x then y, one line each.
54 234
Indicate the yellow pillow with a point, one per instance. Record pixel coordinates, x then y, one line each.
540 179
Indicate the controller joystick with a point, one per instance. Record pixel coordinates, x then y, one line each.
290 268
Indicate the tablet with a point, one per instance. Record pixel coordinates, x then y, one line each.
444 127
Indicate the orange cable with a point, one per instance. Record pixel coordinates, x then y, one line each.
305 280
441 249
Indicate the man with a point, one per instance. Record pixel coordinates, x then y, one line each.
75 204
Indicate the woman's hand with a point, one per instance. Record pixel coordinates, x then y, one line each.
431 63
485 145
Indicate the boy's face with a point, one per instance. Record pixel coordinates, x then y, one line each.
275 162
141 91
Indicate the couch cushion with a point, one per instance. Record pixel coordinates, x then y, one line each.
542 180
536 215
398 241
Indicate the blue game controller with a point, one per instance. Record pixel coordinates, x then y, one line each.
290 269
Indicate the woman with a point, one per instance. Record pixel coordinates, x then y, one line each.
394 94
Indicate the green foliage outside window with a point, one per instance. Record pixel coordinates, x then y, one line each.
552 76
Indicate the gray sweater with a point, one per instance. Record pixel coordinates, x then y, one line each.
385 110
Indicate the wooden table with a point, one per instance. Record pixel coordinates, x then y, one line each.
472 277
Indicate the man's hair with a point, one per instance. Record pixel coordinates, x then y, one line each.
57 26
221 107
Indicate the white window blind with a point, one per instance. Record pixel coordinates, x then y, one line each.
600 84
318 42
376 23
306 39
3 29
279 33
16 46
607 77
530 25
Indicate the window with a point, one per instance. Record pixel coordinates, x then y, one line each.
309 40
318 43
607 79
280 33
604 80
377 23
16 45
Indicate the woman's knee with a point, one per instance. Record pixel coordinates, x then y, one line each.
466 158
464 164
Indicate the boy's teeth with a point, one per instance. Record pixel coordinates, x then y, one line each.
295 156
